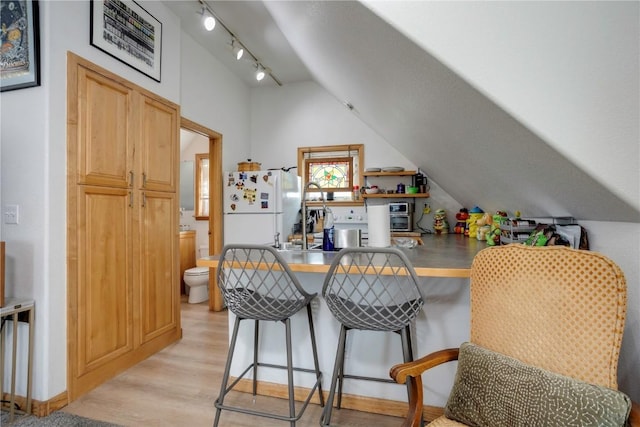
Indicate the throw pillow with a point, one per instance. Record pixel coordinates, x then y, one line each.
495 390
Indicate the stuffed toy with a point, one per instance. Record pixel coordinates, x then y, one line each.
462 217
493 237
475 214
440 223
484 226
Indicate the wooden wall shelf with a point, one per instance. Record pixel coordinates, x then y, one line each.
402 173
395 196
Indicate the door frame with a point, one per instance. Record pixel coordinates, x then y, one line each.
215 209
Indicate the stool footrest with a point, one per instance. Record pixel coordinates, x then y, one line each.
269 414
380 380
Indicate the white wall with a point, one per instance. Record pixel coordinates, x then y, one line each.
215 98
306 115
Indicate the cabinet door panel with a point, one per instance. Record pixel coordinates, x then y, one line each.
104 287
159 264
159 146
104 131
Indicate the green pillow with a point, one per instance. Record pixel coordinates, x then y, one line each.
494 390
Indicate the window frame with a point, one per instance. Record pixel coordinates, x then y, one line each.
337 152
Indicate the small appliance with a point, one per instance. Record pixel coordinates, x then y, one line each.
400 216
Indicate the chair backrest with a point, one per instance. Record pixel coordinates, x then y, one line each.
372 289
257 283
557 308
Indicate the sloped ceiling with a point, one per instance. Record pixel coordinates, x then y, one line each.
473 149
478 153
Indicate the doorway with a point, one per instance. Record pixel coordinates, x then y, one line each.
211 228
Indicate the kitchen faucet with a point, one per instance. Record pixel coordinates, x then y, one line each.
304 210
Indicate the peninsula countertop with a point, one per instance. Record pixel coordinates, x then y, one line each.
448 255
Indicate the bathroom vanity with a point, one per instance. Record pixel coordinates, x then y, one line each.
443 263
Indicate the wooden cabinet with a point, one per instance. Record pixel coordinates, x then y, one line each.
123 214
393 195
187 254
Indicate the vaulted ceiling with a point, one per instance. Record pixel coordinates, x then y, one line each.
477 152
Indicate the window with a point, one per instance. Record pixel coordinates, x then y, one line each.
336 168
202 186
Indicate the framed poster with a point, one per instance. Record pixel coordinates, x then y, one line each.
124 30
20 41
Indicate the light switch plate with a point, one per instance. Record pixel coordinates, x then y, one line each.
11 214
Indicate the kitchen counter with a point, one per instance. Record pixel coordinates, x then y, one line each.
443 264
439 256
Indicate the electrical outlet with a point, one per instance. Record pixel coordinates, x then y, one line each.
426 209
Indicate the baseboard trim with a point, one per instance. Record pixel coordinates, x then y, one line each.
42 408
358 403
349 401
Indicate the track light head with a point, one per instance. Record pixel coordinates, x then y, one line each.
237 48
260 73
208 20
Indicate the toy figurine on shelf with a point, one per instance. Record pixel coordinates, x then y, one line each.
493 238
440 223
472 222
462 217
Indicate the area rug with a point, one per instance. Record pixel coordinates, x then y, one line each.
56 419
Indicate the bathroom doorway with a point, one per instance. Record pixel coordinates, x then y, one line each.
196 139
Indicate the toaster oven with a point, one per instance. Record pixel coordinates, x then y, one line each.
400 216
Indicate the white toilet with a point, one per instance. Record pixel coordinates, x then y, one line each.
196 280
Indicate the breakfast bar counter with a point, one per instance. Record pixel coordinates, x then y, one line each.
447 255
443 265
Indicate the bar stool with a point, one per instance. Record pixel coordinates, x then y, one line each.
370 289
257 284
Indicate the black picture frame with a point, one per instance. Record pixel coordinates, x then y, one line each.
20 40
126 31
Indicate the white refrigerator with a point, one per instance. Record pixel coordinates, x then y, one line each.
260 204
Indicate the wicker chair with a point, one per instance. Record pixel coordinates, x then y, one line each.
257 284
559 309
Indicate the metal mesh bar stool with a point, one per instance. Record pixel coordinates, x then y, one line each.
372 289
257 284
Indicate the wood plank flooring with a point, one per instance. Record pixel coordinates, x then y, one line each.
177 386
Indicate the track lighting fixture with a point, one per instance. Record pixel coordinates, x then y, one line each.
208 20
237 49
260 73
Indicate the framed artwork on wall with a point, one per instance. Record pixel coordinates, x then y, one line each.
20 41
126 31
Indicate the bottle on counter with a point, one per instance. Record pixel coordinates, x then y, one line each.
328 231
356 193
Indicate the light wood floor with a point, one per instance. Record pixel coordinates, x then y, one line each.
177 386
